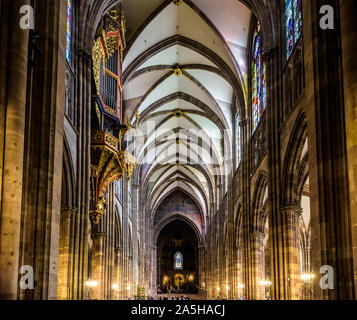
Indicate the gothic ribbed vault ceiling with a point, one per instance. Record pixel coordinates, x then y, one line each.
186 118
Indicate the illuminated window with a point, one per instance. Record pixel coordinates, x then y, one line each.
258 78
69 30
293 23
178 261
238 142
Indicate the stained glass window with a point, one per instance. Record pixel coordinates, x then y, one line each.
238 141
293 23
69 30
259 81
178 261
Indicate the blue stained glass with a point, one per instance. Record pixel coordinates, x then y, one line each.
258 79
178 261
293 24
298 19
69 30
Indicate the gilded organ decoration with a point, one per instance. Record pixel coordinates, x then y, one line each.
110 158
107 56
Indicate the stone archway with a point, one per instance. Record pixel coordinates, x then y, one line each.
177 237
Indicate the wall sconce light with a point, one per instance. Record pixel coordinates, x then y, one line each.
91 283
240 286
265 283
307 277
115 286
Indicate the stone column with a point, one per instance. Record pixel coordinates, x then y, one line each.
307 287
154 267
12 162
348 11
201 271
64 254
258 265
82 101
118 275
239 275
291 216
328 169
246 272
97 293
235 272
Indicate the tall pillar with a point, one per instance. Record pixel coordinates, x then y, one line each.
258 266
328 171
245 187
307 285
97 293
118 290
240 279
291 215
11 195
201 271
235 279
348 11
64 264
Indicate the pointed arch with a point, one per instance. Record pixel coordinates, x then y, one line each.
260 203
292 160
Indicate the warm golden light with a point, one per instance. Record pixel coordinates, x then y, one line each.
265 283
307 277
115 286
91 284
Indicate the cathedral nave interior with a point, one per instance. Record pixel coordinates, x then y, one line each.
178 147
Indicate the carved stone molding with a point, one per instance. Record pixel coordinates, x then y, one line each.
98 235
82 53
257 235
291 209
69 211
244 122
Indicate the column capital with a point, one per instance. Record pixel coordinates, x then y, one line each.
290 209
267 54
244 122
257 235
69 211
85 54
98 235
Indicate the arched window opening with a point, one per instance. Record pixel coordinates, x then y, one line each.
178 261
293 24
70 103
259 83
69 31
